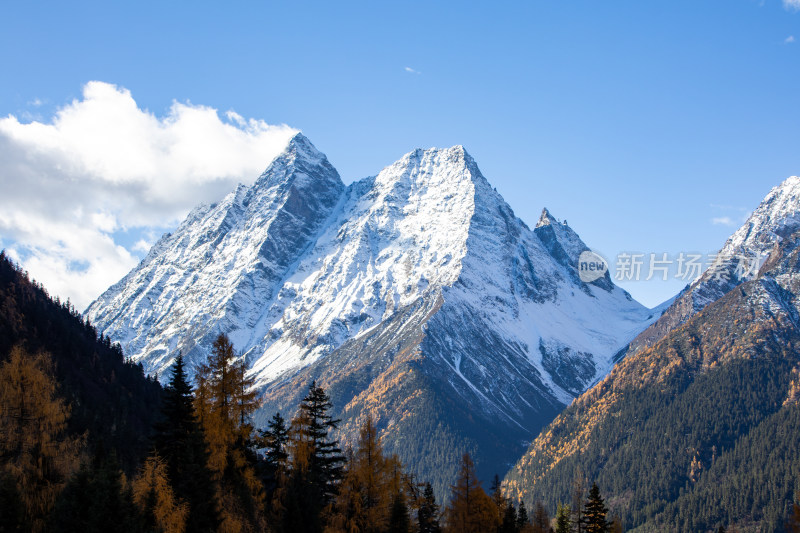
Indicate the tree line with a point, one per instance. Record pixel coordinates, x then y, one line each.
209 469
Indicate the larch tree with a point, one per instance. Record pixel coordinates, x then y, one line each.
153 494
36 452
365 496
225 400
471 510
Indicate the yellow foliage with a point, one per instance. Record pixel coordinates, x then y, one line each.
39 457
151 488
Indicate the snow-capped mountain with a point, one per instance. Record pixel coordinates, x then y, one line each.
706 410
739 260
420 279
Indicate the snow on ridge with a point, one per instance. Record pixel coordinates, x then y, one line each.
297 264
779 210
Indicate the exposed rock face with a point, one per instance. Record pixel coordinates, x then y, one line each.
415 295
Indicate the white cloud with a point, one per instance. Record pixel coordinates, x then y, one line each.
723 221
791 4
412 71
789 39
142 246
103 165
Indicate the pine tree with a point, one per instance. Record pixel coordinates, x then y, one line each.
326 459
315 463
37 453
509 520
428 514
594 514
274 467
522 517
470 510
563 519
96 497
399 520
275 438
179 441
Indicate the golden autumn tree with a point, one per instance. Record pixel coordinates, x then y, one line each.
370 486
153 494
35 450
471 510
225 399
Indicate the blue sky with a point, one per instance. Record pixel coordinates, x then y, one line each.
651 126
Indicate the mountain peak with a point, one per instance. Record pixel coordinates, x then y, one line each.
546 219
301 146
299 160
776 216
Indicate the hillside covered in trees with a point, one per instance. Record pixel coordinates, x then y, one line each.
699 431
89 443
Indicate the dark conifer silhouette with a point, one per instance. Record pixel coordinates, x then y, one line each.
179 441
594 513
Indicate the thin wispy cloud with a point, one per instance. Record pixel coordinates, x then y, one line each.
792 5
102 167
789 39
729 215
723 221
412 71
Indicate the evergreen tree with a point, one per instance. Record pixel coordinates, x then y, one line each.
275 438
594 514
428 514
96 500
315 463
509 522
563 519
274 467
326 459
399 520
522 517
179 441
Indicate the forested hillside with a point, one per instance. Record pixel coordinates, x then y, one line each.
111 400
697 432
